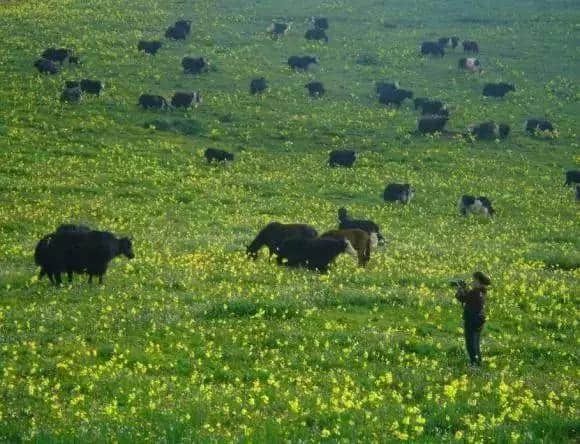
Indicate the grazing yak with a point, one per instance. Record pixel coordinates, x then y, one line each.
149 101
275 233
277 30
572 177
301 62
360 240
432 48
314 254
394 96
149 47
431 107
383 87
185 99
316 34
320 23
534 125
343 158
94 87
345 222
315 89
398 192
212 154
479 205
72 92
489 131
59 55
45 66
449 42
470 64
179 31
77 249
194 65
44 253
432 124
497 89
258 85
470 46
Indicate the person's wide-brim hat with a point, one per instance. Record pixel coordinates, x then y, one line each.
485 280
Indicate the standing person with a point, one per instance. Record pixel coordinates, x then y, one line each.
473 301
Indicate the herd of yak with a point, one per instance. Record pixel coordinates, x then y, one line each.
78 249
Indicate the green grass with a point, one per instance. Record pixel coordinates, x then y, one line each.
191 341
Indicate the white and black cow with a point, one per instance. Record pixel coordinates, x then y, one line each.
479 205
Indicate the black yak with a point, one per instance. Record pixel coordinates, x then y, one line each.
431 107
192 65
398 192
479 205
384 87
497 89
320 23
432 124
277 30
149 47
314 254
57 54
50 259
394 96
185 99
316 34
149 101
273 234
92 86
345 222
179 31
301 62
212 154
534 125
572 177
72 93
470 46
432 48
315 89
76 250
45 66
343 158
258 85
489 131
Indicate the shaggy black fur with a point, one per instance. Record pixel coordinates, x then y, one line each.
148 101
343 158
212 154
497 89
432 48
149 47
301 62
314 254
398 192
273 234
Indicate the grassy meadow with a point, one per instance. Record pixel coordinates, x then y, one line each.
191 341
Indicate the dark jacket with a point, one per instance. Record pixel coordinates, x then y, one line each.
473 301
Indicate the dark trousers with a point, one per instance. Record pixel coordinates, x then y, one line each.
472 330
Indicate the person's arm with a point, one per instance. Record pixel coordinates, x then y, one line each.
462 294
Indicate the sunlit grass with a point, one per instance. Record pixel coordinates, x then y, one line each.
193 342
